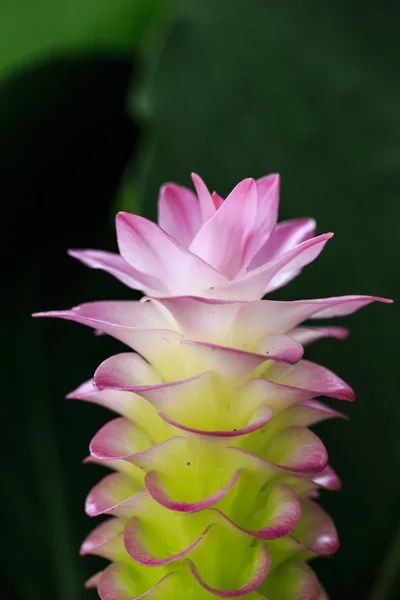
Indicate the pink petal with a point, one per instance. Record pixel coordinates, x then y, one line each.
237 364
133 540
179 213
267 213
227 362
281 348
259 573
165 396
309 413
208 205
222 241
285 236
202 319
125 372
206 319
271 316
306 335
161 454
292 580
278 395
322 594
129 372
343 305
259 422
117 439
292 261
95 541
109 492
306 375
257 282
144 245
115 265
93 581
268 190
281 521
217 200
160 495
123 320
328 479
298 449
265 219
316 530
120 402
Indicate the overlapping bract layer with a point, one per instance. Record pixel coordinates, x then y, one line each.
215 469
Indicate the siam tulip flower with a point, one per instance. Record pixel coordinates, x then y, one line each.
215 471
209 247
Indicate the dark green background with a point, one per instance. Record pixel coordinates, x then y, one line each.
229 89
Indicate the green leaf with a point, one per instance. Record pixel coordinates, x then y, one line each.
44 29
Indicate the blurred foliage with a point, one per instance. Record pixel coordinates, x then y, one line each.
32 31
231 90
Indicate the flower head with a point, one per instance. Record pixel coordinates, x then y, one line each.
216 472
210 247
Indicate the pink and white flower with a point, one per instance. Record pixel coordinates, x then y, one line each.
216 472
204 246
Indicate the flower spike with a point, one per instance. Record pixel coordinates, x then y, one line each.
216 472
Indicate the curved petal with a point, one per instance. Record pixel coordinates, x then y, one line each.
322 594
93 581
223 241
281 347
298 449
125 372
282 513
278 395
136 548
328 479
183 396
208 205
115 400
179 213
115 265
292 580
160 495
254 284
306 375
306 335
217 199
117 582
109 492
236 363
342 305
202 319
259 422
121 320
254 320
117 439
259 572
316 530
146 246
268 190
227 362
165 396
102 540
289 264
285 236
308 413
